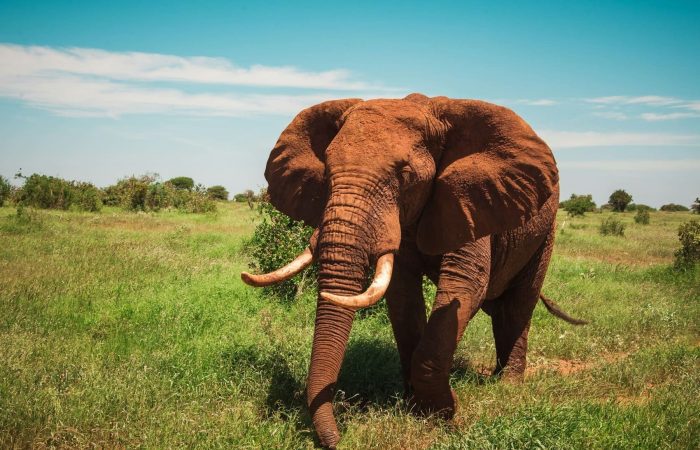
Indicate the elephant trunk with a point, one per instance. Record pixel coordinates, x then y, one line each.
343 257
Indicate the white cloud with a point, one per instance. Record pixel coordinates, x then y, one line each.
576 139
614 115
654 117
92 82
538 102
634 165
654 100
136 66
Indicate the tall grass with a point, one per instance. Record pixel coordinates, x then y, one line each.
134 330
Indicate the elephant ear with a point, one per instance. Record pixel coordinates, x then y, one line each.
296 169
494 174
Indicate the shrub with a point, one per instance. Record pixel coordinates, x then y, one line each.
619 200
578 205
277 240
144 193
695 206
672 207
5 190
612 227
41 191
642 217
87 197
689 253
639 207
183 183
217 192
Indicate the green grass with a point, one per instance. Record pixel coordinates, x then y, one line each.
134 330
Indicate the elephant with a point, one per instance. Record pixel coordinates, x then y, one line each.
461 191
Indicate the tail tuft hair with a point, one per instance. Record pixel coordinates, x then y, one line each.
555 310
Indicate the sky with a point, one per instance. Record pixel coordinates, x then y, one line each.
96 91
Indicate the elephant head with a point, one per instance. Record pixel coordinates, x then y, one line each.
368 174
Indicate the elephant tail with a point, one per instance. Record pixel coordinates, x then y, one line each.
554 309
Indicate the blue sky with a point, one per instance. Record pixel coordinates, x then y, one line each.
96 91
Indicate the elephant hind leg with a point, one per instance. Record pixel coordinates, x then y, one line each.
511 313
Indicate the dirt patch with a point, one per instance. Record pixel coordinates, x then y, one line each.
571 366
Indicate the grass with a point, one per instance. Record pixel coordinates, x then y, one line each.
134 330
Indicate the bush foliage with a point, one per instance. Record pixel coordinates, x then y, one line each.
639 207
5 190
642 217
217 192
41 191
145 193
672 207
689 253
619 200
184 183
696 206
612 227
578 205
276 241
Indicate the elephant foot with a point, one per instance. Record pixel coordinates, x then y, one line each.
439 404
509 374
328 438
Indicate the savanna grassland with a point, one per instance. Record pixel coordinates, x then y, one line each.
134 330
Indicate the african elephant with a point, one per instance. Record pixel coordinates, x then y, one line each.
462 191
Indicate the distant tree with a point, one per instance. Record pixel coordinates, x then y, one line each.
217 192
578 205
246 196
183 183
672 207
639 207
5 190
619 200
696 206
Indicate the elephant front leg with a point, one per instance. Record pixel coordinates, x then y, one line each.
462 285
407 306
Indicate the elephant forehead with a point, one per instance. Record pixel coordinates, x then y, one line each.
404 112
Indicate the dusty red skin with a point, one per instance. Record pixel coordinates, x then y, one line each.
461 190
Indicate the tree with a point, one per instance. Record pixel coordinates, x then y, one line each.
5 189
182 183
672 207
619 200
578 205
695 206
217 192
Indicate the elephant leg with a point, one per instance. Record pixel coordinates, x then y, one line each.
407 305
511 313
462 285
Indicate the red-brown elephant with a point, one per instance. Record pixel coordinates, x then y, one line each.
462 191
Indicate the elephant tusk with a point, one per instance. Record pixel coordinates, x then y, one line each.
375 291
300 263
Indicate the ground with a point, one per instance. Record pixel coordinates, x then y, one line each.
134 330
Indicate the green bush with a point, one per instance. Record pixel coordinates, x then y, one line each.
217 192
639 207
619 200
145 193
5 190
183 183
578 205
696 206
41 191
612 227
86 197
642 217
689 253
672 207
276 241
